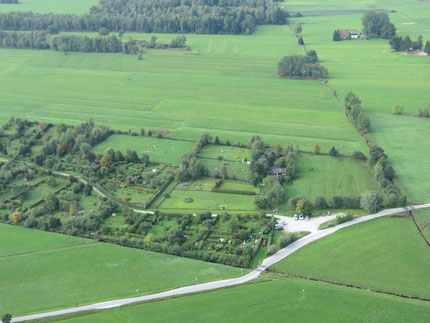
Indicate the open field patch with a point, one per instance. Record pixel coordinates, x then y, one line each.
386 254
48 6
233 94
327 176
17 240
287 299
158 150
95 272
208 201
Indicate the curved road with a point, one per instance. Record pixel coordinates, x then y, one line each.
281 254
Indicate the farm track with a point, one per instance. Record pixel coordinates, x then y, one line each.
280 255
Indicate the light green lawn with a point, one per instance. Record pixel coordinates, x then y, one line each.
18 240
276 300
208 201
48 279
159 150
387 254
234 169
334 177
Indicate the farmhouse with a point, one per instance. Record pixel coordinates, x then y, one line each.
278 172
346 33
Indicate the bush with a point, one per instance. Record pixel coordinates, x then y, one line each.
272 250
304 206
286 240
371 201
336 202
320 203
342 219
358 155
295 200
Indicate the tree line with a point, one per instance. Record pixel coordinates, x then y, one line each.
355 114
9 1
398 43
78 43
303 67
171 16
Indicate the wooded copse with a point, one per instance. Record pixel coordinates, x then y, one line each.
77 43
378 25
304 67
205 17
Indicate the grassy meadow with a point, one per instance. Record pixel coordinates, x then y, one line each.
380 77
387 254
226 86
12 242
327 176
207 201
47 6
32 282
158 150
287 302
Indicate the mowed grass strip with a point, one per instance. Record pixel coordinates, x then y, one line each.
18 240
319 302
159 150
48 280
387 254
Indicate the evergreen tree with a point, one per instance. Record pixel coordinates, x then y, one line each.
427 47
336 36
300 41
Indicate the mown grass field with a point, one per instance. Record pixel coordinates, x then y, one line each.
380 78
42 271
47 6
18 240
387 254
226 86
207 201
158 150
330 176
249 303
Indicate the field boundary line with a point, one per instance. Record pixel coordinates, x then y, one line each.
49 249
419 228
351 286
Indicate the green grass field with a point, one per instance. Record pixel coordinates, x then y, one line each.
234 169
230 90
18 240
380 78
47 6
274 300
333 177
207 201
386 254
42 271
158 150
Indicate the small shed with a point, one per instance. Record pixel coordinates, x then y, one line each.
346 33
